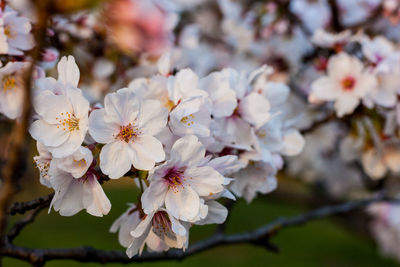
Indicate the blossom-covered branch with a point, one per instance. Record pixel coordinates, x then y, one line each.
259 237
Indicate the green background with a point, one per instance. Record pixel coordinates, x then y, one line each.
318 243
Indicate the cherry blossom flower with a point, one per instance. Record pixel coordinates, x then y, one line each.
15 36
347 82
12 89
180 182
62 111
43 161
159 231
127 127
76 186
257 177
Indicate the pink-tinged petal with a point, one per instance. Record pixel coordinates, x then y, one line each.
153 117
122 106
188 151
74 141
147 150
102 131
94 199
254 109
116 159
48 134
183 204
204 180
154 196
68 71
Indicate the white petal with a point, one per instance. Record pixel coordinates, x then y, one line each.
325 89
147 150
70 145
293 143
187 150
154 196
183 204
95 200
217 213
153 117
115 159
102 131
122 106
204 180
48 134
346 104
254 108
68 71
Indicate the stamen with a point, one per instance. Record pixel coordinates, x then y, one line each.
9 83
69 122
8 32
174 179
128 133
188 120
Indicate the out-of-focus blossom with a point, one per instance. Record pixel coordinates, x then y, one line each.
12 89
139 26
15 33
347 82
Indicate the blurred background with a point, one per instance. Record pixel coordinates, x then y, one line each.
327 242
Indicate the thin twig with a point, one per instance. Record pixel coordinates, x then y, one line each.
22 207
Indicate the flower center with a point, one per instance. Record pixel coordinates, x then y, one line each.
80 163
69 122
174 178
9 83
128 133
348 83
161 222
8 32
188 120
43 167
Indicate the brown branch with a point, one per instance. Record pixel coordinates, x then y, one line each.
22 207
258 237
15 162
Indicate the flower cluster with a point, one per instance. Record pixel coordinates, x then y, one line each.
198 103
187 140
